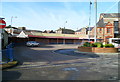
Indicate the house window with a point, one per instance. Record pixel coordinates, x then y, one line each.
108 30
116 25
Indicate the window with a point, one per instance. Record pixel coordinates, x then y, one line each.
108 30
116 25
100 30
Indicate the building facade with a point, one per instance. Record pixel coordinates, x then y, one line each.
107 27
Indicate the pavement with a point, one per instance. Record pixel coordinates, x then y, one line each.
6 63
10 64
43 63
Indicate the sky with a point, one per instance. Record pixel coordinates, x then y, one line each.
53 15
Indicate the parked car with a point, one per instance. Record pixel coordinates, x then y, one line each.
115 42
32 43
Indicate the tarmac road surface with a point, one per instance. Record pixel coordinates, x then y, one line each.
42 63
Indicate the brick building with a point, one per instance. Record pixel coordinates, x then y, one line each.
107 27
84 32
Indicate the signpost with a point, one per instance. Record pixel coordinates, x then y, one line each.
2 25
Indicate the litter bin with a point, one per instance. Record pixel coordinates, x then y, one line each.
9 52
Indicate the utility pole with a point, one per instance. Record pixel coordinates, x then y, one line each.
95 21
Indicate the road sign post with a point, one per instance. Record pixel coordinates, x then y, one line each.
2 25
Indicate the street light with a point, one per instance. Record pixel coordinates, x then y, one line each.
64 31
11 24
65 24
12 18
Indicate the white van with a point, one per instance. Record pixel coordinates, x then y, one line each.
115 42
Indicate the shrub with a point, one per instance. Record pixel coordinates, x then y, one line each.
111 45
92 45
108 46
86 44
97 44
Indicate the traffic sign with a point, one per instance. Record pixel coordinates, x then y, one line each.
2 24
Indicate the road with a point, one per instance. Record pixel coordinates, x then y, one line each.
42 63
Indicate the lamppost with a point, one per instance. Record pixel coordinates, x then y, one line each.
65 24
12 18
64 31
11 23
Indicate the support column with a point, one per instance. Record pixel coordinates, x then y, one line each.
73 41
57 40
48 41
63 41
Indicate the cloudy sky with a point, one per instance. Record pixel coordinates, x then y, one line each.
52 15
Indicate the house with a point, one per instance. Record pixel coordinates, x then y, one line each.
22 28
82 31
16 31
65 31
90 32
113 18
108 26
85 32
48 31
13 30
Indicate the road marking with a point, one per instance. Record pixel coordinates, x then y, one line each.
45 66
